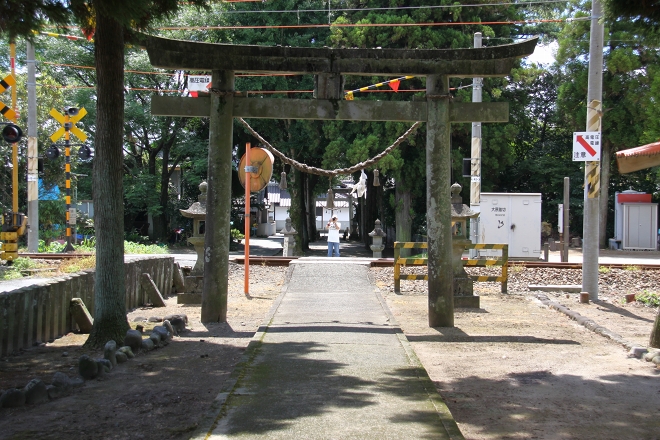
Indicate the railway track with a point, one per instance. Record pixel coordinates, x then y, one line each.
382 262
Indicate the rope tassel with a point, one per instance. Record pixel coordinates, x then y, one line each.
376 179
283 180
330 204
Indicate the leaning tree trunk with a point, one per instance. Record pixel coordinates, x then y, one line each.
370 211
297 208
655 333
110 307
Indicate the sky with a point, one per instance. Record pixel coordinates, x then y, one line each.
543 54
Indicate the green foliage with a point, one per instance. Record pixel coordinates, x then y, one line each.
137 248
14 271
237 235
650 299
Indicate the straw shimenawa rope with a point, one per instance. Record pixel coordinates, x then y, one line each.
329 173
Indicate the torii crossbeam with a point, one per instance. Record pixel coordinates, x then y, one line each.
329 65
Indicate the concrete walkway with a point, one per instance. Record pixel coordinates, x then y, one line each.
330 362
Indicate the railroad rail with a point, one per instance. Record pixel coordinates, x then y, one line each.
381 262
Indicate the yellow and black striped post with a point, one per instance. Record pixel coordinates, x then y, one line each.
349 96
504 261
398 262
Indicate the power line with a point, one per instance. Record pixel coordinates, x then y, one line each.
355 25
396 8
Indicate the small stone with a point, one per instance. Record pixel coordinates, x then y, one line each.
656 360
181 316
54 392
155 319
65 354
107 365
155 338
169 327
637 352
140 328
77 382
110 352
147 344
12 398
165 335
179 324
61 380
121 357
133 339
650 355
127 351
139 319
35 392
87 367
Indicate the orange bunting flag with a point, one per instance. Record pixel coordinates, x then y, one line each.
395 85
193 94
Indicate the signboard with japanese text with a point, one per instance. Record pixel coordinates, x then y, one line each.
586 146
199 83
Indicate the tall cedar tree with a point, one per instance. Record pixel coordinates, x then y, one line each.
110 21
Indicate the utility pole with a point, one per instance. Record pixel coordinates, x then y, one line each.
475 162
592 168
32 154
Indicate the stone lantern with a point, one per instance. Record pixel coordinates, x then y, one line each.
289 245
193 284
377 235
463 285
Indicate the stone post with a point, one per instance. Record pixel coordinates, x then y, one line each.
289 245
377 236
216 243
438 202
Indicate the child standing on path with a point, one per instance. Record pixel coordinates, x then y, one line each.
333 227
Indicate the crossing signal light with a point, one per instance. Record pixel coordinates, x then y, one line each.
53 152
84 152
12 133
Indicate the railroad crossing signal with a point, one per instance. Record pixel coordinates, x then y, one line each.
72 116
6 111
68 119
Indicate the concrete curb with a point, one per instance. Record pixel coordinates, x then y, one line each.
585 322
218 408
441 407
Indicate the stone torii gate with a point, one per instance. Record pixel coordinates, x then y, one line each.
438 111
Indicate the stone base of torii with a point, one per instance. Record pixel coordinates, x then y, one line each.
438 111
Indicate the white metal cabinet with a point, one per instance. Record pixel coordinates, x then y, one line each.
514 219
640 226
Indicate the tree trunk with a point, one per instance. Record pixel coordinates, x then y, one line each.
296 209
310 201
655 333
110 306
605 161
402 216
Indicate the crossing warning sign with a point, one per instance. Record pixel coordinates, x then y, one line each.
586 146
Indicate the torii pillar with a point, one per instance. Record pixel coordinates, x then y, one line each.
437 65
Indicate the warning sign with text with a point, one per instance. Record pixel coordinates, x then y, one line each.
586 146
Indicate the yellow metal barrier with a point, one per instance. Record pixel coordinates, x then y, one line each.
398 262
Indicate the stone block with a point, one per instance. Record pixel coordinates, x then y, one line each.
81 315
467 301
152 290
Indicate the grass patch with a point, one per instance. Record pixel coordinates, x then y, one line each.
13 272
649 299
633 268
604 269
137 248
78 264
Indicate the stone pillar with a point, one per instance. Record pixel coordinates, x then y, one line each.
289 245
438 203
216 244
377 236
